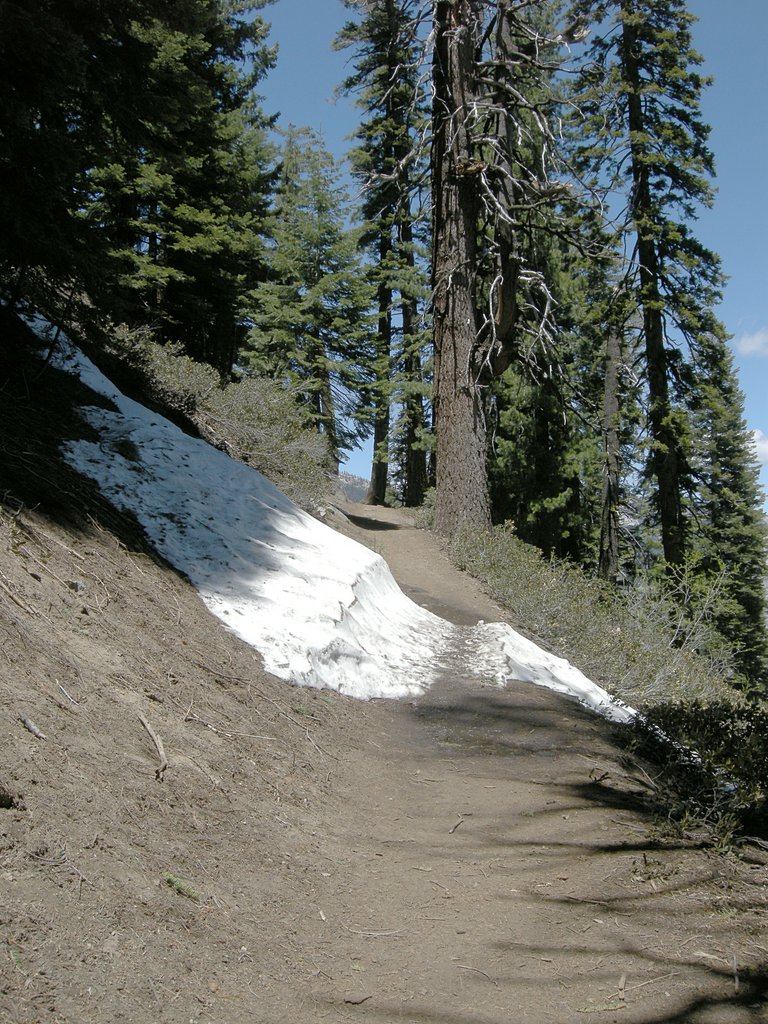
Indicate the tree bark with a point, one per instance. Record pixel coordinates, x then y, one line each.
377 489
415 483
608 563
665 455
462 485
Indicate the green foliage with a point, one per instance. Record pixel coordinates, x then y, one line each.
181 886
637 644
714 763
311 319
390 164
639 139
253 419
133 162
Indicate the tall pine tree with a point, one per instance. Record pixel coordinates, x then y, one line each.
312 318
640 96
388 160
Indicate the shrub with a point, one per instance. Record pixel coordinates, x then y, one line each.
630 643
715 773
709 743
252 419
262 424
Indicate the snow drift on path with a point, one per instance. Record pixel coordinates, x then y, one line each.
321 609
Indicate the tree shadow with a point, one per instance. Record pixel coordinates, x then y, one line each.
368 523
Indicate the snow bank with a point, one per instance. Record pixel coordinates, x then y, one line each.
321 609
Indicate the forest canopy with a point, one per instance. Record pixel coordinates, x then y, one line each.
518 310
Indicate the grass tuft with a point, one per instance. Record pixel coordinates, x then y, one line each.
181 886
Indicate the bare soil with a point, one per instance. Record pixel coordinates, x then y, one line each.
472 857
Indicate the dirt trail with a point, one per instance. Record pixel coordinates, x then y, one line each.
495 866
476 856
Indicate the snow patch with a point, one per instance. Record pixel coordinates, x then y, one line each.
321 609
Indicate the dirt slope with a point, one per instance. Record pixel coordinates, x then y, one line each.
475 856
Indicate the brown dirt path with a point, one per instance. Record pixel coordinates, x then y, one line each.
476 856
494 863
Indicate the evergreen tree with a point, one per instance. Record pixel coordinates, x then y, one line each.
730 528
640 93
133 163
491 165
388 161
462 487
181 193
312 317
50 56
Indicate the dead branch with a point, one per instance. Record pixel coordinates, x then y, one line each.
463 967
31 727
17 600
160 770
453 828
67 695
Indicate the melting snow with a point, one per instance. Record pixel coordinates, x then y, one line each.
321 609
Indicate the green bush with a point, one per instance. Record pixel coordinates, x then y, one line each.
715 770
630 643
710 745
260 423
252 419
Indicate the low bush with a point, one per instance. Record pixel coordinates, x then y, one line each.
715 773
630 643
710 744
252 419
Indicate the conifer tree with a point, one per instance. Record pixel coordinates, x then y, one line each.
52 57
181 193
312 323
388 160
730 533
491 168
640 97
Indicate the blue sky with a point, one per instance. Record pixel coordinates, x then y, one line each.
732 36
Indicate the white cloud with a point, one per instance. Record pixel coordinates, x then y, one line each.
754 344
761 446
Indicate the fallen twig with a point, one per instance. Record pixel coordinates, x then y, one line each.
477 970
641 984
31 727
17 600
453 828
66 694
160 770
192 717
374 935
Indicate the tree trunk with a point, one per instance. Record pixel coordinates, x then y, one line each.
665 455
462 484
608 563
415 483
377 488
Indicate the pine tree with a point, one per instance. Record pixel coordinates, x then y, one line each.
50 55
133 161
181 193
312 317
462 486
387 55
644 67
640 95
730 535
492 164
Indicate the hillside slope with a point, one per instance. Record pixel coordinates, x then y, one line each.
474 855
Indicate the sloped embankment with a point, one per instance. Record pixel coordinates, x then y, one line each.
472 855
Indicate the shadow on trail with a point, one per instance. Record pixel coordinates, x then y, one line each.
367 523
745 1003
615 901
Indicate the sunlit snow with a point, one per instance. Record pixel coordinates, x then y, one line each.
321 609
